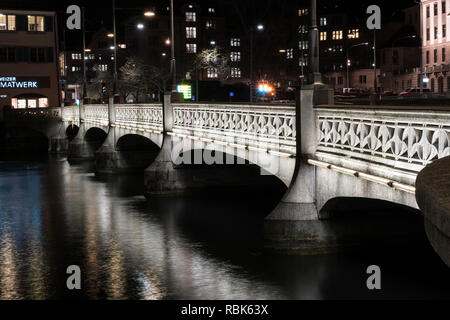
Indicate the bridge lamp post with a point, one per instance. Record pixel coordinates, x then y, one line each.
392 53
259 28
314 73
349 62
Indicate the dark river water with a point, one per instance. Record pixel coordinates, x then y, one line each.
53 215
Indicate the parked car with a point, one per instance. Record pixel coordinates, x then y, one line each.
413 92
353 92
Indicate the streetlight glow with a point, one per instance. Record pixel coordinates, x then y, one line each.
149 14
110 35
260 27
140 26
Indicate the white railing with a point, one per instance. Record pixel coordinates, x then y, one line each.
145 116
255 124
404 139
71 114
96 113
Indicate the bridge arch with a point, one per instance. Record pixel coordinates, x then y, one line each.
94 138
135 152
72 131
25 138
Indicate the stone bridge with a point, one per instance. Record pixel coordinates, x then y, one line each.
320 151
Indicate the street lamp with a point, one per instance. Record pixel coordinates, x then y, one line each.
147 13
140 26
349 62
260 28
392 53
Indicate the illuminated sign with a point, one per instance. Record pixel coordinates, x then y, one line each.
186 90
24 82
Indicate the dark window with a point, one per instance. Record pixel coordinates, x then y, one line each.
428 34
21 23
3 54
41 54
428 57
48 24
33 54
435 9
443 54
395 57
435 55
428 11
11 54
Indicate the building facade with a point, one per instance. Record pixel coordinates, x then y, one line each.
435 45
28 59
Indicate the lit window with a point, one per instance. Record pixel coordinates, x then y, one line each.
75 69
235 56
353 34
32 103
191 17
303 45
212 73
36 23
191 47
303 61
289 53
323 21
338 35
323 36
210 24
211 10
103 67
21 103
191 32
43 102
14 103
76 56
303 12
235 42
303 29
7 22
3 19
235 72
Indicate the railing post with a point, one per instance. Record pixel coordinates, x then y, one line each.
168 118
82 111
111 111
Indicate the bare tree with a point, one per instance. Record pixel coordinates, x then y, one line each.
140 78
214 59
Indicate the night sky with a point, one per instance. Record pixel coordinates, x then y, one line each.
98 12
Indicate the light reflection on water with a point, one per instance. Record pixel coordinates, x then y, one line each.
53 215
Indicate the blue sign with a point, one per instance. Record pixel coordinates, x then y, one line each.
231 94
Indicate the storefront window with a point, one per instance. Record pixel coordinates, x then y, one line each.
21 103
43 102
31 103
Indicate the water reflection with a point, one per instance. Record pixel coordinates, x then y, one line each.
53 215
